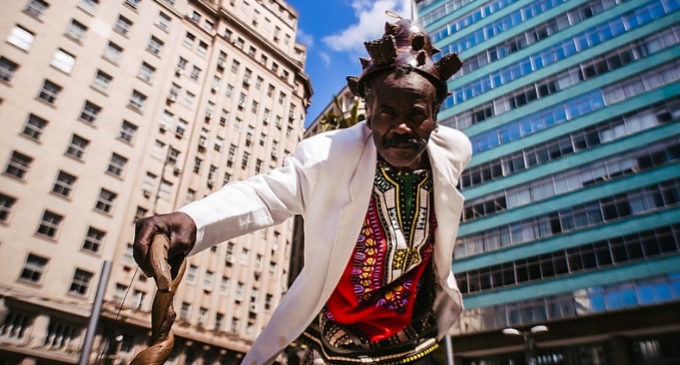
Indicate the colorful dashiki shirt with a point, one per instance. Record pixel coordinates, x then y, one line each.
381 310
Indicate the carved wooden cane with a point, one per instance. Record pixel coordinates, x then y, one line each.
167 276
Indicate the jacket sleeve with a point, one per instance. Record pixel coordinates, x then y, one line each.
261 201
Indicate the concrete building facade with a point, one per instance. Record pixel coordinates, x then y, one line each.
118 110
571 217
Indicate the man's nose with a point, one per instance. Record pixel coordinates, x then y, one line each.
401 125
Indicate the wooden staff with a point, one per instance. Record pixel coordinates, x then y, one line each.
167 277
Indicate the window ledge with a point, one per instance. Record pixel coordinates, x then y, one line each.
30 283
38 141
123 140
81 160
8 83
138 111
46 238
14 177
60 196
105 214
53 105
119 177
105 93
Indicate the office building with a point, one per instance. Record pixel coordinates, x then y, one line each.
115 110
571 217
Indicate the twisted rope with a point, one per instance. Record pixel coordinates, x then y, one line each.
167 276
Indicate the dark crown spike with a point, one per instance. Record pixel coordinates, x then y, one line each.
383 51
435 50
365 62
353 84
448 65
391 28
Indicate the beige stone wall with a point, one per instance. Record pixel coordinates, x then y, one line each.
32 308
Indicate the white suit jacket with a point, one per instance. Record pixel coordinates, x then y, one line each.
329 182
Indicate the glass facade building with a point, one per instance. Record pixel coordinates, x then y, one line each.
572 212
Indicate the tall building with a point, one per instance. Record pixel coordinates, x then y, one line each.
571 217
115 110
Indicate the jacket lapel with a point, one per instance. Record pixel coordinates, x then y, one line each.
352 215
448 204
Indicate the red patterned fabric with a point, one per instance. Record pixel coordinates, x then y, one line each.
363 297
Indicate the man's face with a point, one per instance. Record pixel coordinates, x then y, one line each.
401 117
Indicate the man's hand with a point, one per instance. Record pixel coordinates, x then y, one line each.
179 229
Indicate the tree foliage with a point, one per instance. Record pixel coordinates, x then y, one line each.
336 119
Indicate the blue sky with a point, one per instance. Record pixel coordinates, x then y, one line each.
334 32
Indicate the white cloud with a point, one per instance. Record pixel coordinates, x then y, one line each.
370 24
325 58
304 38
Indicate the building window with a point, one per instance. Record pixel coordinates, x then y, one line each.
106 201
195 73
239 43
122 25
18 165
228 33
191 196
208 26
182 126
49 92
137 303
102 81
218 321
202 48
275 67
251 51
263 60
189 40
209 280
272 268
34 127
234 66
270 90
258 166
7 69
268 302
127 132
36 8
149 183
173 155
282 98
211 174
254 107
113 52
195 17
230 254
244 256
90 6
21 38
34 269
202 317
235 323
6 207
63 61
197 165
81 282
189 98
289 132
219 141
119 293
77 147
192 274
163 21
165 190
65 184
244 161
94 240
155 46
117 164
239 291
50 224
90 112
227 178
146 72
224 285
258 83
137 100
185 312
76 30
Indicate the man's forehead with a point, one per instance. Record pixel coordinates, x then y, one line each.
400 83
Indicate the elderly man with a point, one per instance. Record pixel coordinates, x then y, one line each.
381 216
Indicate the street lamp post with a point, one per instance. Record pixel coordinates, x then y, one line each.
529 343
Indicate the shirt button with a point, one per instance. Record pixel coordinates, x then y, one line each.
283 341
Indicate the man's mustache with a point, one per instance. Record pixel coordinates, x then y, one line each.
403 141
